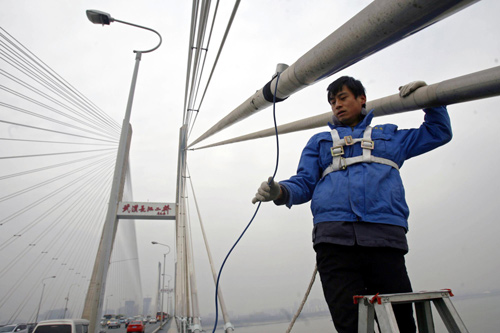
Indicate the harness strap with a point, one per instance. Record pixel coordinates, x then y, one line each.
341 163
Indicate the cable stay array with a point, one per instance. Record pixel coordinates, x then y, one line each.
57 160
26 63
203 21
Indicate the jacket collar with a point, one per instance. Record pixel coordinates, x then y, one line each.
367 119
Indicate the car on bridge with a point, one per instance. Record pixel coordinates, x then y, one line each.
135 326
114 323
62 326
15 328
128 321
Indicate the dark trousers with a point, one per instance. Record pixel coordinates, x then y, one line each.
346 271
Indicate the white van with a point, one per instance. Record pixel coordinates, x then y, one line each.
62 326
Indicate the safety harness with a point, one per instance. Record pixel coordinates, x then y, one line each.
341 163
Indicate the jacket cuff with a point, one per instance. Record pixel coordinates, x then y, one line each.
284 196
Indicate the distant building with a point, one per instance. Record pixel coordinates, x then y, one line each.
146 306
131 309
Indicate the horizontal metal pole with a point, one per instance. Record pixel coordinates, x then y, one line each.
380 24
465 88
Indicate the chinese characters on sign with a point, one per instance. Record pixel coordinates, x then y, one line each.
146 210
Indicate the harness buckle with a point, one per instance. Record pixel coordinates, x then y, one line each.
337 150
342 163
367 144
348 140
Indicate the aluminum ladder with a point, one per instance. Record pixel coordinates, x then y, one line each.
382 306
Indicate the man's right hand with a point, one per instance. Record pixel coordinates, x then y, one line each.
267 192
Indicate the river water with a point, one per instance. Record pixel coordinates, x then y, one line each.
478 314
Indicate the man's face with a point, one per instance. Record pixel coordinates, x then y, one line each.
346 107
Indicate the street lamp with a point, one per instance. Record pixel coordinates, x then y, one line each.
41 296
67 299
168 291
108 234
98 17
106 307
163 283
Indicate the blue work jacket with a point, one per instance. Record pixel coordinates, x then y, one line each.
368 192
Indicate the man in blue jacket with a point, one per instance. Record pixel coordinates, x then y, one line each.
351 175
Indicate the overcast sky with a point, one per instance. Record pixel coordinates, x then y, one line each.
452 191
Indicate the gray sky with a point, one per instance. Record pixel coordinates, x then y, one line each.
451 191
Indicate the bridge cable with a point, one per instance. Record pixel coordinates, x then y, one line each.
76 231
58 80
233 14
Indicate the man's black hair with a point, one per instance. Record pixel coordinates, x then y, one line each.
355 86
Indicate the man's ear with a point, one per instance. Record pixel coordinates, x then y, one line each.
362 99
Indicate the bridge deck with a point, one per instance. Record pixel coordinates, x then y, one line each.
170 327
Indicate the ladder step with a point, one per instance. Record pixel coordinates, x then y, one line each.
381 305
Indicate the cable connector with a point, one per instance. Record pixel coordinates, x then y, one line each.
280 68
267 91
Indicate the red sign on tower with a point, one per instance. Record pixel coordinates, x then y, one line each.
146 210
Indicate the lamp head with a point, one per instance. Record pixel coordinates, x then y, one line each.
153 242
98 17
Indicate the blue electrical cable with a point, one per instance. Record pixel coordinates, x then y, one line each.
258 206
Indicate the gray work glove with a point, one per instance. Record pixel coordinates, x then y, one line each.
410 87
267 192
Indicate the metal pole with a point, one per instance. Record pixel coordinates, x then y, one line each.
39 304
163 285
41 296
107 299
168 294
470 87
93 303
97 287
67 299
157 301
66 306
380 24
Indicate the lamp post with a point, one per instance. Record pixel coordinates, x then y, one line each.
41 296
67 299
120 308
163 283
107 298
97 286
168 292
